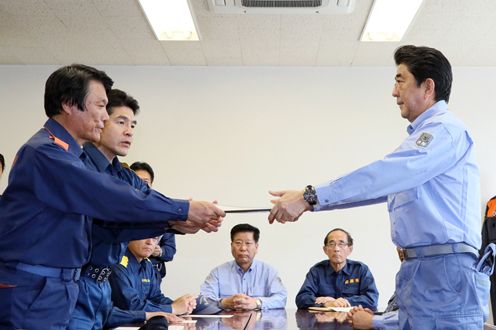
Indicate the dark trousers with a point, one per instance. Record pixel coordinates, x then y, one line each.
30 301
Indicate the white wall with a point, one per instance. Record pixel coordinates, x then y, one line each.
232 134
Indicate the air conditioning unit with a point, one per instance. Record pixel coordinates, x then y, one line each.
282 6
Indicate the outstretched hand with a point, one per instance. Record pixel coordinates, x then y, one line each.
202 215
288 207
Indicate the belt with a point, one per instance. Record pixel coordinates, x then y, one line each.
97 273
66 274
440 249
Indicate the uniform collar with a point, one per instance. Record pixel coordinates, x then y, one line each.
133 262
101 162
346 269
58 131
437 108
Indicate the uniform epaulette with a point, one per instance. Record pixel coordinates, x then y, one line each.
124 261
491 207
59 142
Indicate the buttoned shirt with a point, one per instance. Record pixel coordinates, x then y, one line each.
259 281
110 244
107 248
46 208
430 182
135 286
354 282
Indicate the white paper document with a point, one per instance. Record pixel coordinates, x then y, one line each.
219 316
342 309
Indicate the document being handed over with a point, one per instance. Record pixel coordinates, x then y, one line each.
238 209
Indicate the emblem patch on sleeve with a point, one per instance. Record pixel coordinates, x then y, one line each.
424 140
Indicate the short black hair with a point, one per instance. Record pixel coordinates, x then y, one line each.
243 228
424 63
2 162
118 98
69 84
348 236
144 167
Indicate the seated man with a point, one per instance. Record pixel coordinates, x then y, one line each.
135 285
166 248
338 281
245 283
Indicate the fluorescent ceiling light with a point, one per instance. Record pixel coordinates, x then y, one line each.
389 19
170 19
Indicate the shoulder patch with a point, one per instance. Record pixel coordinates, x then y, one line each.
424 140
59 142
124 261
491 208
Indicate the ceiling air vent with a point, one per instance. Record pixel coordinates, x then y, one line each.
282 6
280 3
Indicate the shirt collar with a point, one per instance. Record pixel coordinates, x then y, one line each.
133 262
438 107
346 269
101 162
57 130
240 270
116 164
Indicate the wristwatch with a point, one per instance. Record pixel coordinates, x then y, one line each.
259 304
310 195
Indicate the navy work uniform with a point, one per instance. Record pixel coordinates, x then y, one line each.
135 286
431 185
45 226
354 282
94 307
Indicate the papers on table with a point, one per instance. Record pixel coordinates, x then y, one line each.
171 326
342 309
329 309
219 316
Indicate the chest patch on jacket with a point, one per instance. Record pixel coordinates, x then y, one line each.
352 281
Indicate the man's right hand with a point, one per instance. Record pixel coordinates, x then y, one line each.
361 318
202 215
339 302
323 300
205 215
184 304
289 206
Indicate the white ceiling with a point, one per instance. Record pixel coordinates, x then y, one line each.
100 32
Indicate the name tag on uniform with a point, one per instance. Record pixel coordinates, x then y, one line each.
352 281
424 140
